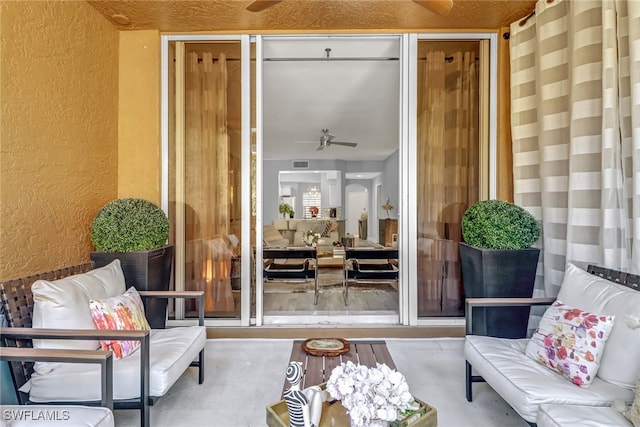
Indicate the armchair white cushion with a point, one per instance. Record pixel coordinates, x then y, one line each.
620 363
583 416
64 304
170 354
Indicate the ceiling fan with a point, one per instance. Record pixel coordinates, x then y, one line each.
327 139
441 7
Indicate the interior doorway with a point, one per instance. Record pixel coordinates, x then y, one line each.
357 205
330 106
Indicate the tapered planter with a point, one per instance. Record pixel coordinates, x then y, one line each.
146 271
499 273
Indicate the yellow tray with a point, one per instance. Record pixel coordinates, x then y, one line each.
335 415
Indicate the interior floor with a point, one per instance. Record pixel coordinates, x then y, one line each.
297 297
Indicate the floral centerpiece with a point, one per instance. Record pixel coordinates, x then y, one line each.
372 396
313 210
311 238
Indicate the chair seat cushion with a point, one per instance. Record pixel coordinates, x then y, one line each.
583 416
48 415
526 384
171 352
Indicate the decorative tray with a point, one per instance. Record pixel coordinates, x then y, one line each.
325 346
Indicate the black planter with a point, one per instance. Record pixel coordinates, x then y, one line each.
498 273
146 271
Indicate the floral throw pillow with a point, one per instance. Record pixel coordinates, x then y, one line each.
571 342
122 312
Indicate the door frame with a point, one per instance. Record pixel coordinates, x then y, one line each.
407 208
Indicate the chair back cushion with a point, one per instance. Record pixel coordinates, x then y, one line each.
620 364
64 304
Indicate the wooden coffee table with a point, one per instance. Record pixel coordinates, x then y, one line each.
317 369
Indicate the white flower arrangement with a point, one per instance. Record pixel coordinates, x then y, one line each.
311 238
372 396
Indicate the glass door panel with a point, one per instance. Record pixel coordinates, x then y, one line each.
205 171
448 167
330 145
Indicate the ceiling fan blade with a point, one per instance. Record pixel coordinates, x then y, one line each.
320 147
260 5
347 144
441 7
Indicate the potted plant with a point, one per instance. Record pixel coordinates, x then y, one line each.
135 231
286 210
497 261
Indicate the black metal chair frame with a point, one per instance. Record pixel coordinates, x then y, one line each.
356 266
306 269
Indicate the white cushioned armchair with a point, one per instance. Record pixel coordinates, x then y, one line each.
540 394
61 305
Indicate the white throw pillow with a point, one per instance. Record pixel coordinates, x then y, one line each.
64 304
620 363
571 342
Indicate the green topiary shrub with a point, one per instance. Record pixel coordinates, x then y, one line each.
494 224
125 225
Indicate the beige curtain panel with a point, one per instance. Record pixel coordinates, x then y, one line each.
207 194
575 74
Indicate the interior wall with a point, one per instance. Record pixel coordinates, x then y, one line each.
390 180
139 148
58 131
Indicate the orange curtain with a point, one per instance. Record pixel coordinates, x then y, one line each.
207 176
448 161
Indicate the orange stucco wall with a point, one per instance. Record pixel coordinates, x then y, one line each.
139 115
79 126
58 131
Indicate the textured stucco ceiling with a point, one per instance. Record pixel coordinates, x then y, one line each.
309 15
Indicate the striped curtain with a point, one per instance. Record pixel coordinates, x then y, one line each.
448 177
575 96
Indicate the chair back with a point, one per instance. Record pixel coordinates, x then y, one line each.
16 299
367 263
370 253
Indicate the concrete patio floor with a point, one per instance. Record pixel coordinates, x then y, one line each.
244 376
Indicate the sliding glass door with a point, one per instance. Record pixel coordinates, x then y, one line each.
384 140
